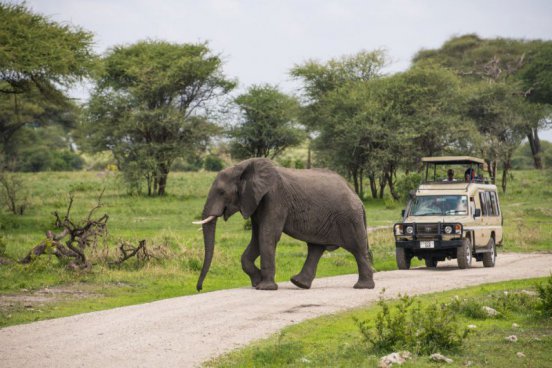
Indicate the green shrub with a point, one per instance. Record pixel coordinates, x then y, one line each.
421 330
2 246
407 183
512 301
299 164
35 159
503 302
213 163
545 297
468 307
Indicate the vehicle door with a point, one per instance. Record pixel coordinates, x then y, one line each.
495 220
483 230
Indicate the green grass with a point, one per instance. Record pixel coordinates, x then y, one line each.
166 222
336 341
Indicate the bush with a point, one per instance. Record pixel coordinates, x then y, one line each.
2 246
545 297
406 184
213 163
469 308
45 159
421 330
503 301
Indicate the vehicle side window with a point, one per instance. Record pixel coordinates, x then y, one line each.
494 204
485 205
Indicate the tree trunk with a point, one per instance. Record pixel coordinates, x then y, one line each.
355 180
361 187
392 186
382 184
505 171
373 186
534 143
309 155
162 177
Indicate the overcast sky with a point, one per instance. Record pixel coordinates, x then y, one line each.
261 40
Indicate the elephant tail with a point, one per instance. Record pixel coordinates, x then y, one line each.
370 255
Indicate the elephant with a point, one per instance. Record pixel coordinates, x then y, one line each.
313 205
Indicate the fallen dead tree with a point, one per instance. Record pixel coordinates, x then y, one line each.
141 252
70 243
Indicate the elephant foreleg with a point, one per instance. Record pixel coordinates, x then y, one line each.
268 238
307 274
249 256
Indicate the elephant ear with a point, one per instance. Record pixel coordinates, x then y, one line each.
258 177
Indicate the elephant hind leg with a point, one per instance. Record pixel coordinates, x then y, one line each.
307 274
358 246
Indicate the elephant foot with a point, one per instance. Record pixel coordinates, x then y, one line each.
267 285
303 284
365 284
255 279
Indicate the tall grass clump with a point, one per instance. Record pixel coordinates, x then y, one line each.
545 297
409 325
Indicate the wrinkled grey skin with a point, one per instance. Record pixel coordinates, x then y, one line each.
316 206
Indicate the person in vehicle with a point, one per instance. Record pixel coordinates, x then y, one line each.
450 175
469 175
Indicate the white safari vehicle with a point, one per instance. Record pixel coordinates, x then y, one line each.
454 213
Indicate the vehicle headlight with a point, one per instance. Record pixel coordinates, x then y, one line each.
448 229
409 230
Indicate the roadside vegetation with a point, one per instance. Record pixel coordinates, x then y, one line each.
456 324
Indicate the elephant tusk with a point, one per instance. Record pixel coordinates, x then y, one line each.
208 219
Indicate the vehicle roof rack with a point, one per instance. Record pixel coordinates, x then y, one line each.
460 160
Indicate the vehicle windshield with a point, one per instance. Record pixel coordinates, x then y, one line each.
442 205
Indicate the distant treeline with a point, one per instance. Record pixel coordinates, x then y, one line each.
157 106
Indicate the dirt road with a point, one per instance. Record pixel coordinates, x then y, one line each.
185 331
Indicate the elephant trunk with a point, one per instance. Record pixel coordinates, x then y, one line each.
209 241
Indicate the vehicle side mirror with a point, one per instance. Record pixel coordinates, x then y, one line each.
477 213
402 213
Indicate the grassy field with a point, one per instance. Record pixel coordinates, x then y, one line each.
46 289
336 341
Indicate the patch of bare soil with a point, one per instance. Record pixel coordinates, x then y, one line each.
36 299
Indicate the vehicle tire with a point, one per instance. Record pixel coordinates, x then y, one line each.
489 259
403 260
464 254
431 262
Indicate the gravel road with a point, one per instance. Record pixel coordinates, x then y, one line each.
186 331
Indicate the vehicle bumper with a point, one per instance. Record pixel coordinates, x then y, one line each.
438 244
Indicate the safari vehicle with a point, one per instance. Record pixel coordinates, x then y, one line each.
450 217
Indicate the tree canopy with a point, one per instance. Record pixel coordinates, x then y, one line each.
268 123
523 65
39 58
151 106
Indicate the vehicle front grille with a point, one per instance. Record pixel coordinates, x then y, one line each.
427 229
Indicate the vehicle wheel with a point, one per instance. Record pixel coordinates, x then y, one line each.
464 254
489 259
431 262
403 260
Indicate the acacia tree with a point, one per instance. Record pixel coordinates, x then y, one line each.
500 114
151 106
39 58
501 60
268 123
536 78
330 109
